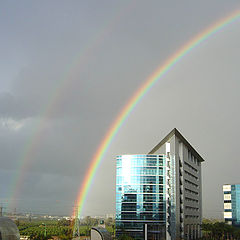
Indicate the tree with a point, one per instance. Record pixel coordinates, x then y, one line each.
89 222
17 222
219 230
125 237
64 222
109 221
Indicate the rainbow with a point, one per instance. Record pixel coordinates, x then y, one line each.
78 63
138 95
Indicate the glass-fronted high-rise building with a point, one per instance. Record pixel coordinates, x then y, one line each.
158 195
232 204
140 195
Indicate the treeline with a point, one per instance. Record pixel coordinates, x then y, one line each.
36 229
219 231
62 229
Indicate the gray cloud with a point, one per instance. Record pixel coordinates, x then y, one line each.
102 53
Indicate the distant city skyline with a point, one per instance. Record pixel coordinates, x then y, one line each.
69 67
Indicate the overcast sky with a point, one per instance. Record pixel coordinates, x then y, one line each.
67 69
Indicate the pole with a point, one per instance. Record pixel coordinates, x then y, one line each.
45 231
145 231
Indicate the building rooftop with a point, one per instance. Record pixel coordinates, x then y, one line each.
183 139
8 229
102 233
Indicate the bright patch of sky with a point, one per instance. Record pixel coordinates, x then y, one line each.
11 124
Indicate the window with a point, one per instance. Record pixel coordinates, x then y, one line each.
190 174
188 199
191 183
191 191
191 167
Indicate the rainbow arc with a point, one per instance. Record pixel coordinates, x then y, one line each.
139 94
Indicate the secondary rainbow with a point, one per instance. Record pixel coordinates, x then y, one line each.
138 95
64 86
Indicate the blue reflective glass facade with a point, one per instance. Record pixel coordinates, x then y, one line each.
140 195
235 195
232 204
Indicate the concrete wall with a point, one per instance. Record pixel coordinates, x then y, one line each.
188 189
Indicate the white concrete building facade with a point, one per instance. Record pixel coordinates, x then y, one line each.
184 215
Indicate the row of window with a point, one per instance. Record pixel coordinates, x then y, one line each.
192 158
142 189
227 192
132 160
129 225
190 174
227 210
141 171
191 183
138 211
140 198
149 207
138 225
142 163
188 199
191 191
191 208
140 216
191 216
191 167
134 180
141 156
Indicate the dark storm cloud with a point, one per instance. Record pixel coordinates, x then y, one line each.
60 42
